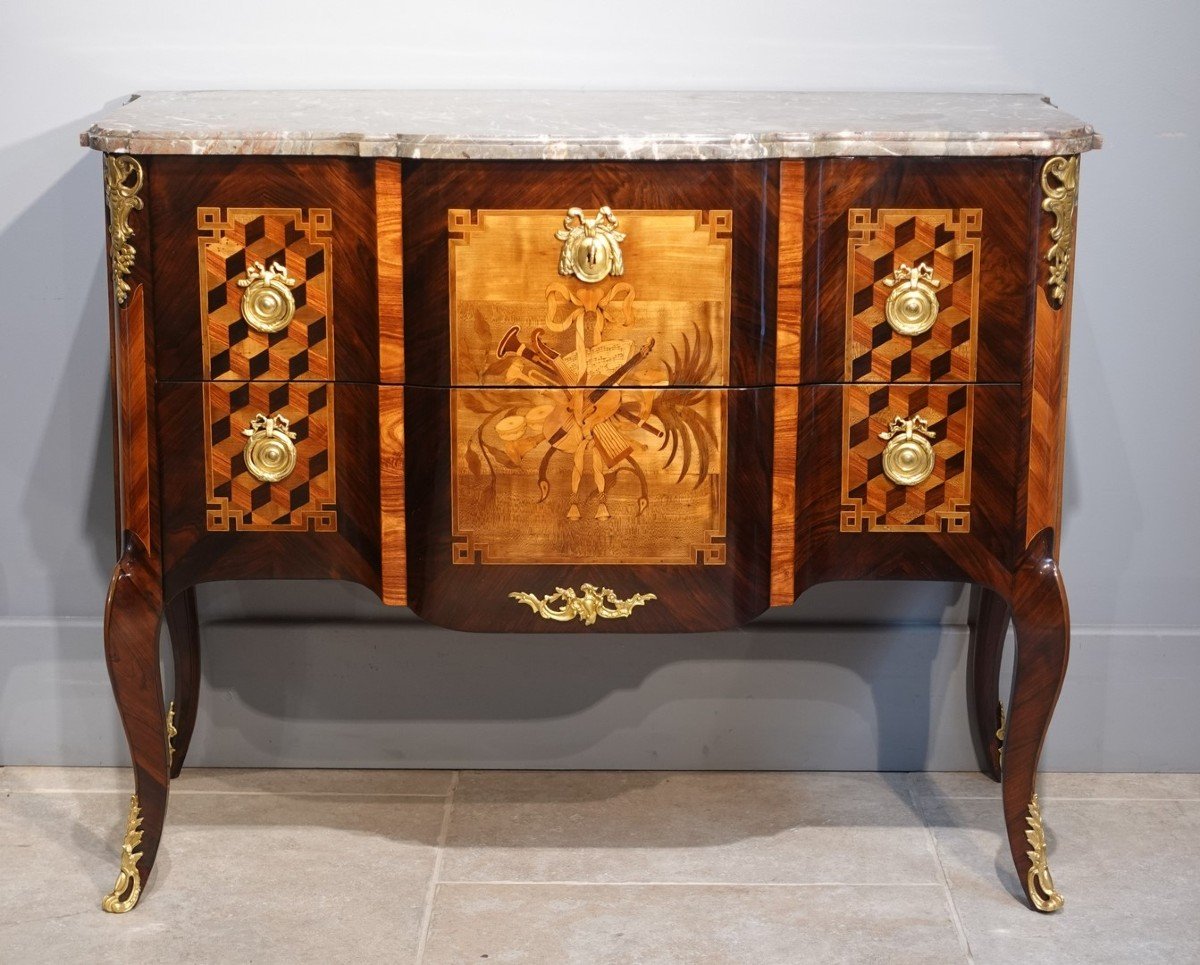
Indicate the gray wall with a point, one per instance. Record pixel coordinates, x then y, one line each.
854 676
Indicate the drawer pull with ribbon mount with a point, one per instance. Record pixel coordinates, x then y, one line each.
270 452
908 458
267 303
912 307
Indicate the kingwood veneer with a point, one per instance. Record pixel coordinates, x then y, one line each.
523 379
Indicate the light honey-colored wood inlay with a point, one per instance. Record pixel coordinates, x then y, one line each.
391 492
675 289
783 497
604 435
788 306
607 475
389 257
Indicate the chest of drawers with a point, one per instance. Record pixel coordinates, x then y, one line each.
576 374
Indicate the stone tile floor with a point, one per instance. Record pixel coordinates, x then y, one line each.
597 867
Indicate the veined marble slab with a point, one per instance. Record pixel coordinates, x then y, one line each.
565 125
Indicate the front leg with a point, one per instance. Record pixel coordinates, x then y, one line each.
989 626
131 623
1042 622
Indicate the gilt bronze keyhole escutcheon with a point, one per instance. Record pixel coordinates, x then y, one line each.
591 248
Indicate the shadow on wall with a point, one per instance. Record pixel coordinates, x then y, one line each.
55 248
65 526
1094 425
842 697
80 424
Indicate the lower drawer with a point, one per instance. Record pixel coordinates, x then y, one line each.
518 499
269 480
501 507
908 481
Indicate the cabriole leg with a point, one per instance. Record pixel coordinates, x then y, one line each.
131 624
1042 623
184 629
990 617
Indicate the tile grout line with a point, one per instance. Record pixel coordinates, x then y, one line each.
1061 799
433 795
931 842
464 882
436 874
184 792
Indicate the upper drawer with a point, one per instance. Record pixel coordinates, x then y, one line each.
923 267
565 273
264 269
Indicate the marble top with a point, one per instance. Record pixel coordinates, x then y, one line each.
564 125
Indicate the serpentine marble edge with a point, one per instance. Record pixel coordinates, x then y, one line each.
588 125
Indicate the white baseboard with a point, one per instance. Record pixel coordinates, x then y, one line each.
405 694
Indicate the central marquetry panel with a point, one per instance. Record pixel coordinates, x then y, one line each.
642 480
595 432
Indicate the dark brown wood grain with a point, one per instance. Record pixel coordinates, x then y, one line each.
431 188
344 186
132 351
132 617
989 621
1037 599
134 386
183 627
1043 629
134 605
1003 188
